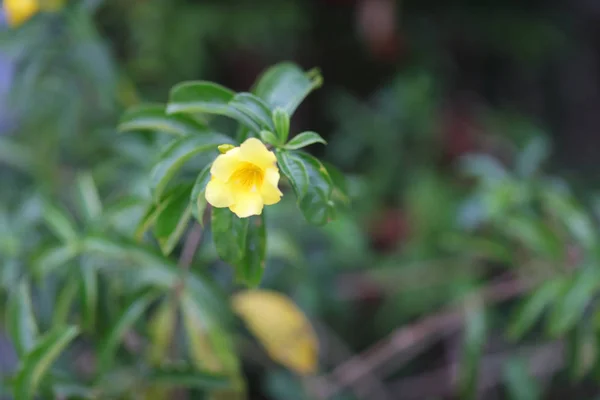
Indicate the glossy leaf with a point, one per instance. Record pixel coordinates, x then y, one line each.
255 108
130 315
312 184
281 327
178 153
153 117
229 234
37 362
304 139
20 319
202 97
197 198
285 85
532 308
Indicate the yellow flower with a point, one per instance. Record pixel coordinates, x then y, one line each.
244 179
19 11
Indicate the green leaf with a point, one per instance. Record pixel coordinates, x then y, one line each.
53 258
188 377
255 108
155 209
570 307
16 155
285 85
484 167
251 268
89 198
37 362
178 153
197 199
20 319
161 329
173 220
131 313
153 117
312 184
229 234
60 224
340 183
304 139
519 382
89 294
269 137
532 308
530 159
201 97
582 350
474 341
281 120
64 301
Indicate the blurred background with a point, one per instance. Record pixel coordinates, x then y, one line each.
467 263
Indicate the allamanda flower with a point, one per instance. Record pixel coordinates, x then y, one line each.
19 11
244 179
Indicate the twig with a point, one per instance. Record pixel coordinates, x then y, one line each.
542 360
414 338
190 246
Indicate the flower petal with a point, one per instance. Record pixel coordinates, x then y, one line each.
255 152
269 191
225 164
218 194
247 204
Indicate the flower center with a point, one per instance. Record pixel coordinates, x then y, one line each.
248 176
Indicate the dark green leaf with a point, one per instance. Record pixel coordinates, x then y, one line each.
281 120
474 341
285 85
197 199
532 308
153 117
209 98
131 313
36 363
312 184
255 108
178 153
582 350
173 220
250 270
570 307
89 294
304 139
21 319
229 234
64 301
186 376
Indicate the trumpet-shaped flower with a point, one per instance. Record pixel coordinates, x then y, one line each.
19 11
244 179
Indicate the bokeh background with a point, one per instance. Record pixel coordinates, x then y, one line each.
469 135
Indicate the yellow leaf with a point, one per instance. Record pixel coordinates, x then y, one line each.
281 327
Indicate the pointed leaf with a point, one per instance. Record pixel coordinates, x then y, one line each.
178 153
36 363
251 268
285 85
255 108
281 120
153 117
89 294
519 382
132 313
197 199
229 234
281 327
173 220
269 137
304 139
20 319
89 199
60 224
53 258
64 301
